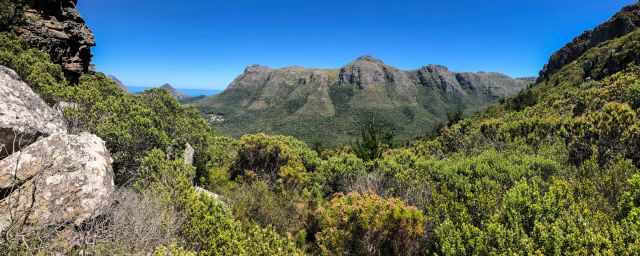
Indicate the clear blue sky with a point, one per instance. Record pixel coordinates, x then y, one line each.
207 43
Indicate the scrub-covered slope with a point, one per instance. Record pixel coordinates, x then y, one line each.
313 104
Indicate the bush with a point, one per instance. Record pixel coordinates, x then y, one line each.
35 67
339 172
278 160
365 224
288 212
211 230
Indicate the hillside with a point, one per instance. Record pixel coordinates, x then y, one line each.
313 104
87 168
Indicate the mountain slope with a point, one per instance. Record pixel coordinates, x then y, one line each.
622 23
314 104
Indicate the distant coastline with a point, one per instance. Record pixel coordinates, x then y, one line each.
188 92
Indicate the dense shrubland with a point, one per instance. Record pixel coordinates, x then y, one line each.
551 171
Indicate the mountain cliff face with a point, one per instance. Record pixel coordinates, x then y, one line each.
56 27
623 23
315 103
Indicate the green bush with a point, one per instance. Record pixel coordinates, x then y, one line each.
35 67
279 160
365 224
211 230
339 172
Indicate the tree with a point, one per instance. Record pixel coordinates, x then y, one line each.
374 139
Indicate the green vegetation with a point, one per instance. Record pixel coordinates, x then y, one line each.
10 12
315 104
552 171
357 224
146 135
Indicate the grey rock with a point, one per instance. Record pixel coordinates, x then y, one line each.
55 26
24 116
187 155
57 180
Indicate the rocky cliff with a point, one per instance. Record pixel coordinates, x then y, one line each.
308 103
624 22
56 27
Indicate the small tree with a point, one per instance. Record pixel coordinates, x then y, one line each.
374 139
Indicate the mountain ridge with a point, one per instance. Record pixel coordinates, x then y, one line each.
288 100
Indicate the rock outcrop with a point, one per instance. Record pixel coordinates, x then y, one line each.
624 22
24 116
63 179
187 155
313 103
56 27
47 177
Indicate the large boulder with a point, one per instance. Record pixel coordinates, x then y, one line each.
62 179
24 116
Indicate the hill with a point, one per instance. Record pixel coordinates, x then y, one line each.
173 92
315 104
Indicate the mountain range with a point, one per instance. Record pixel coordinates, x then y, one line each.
315 104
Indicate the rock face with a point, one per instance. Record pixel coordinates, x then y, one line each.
315 103
24 116
187 155
624 22
63 179
56 27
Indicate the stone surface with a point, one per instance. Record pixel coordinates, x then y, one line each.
24 116
188 153
62 179
624 22
56 27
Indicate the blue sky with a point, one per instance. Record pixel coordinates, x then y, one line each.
207 43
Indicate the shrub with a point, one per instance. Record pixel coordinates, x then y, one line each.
278 160
365 224
211 230
339 172
288 212
35 67
375 138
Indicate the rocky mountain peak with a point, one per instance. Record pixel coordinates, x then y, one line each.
370 59
256 69
624 22
367 71
432 68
